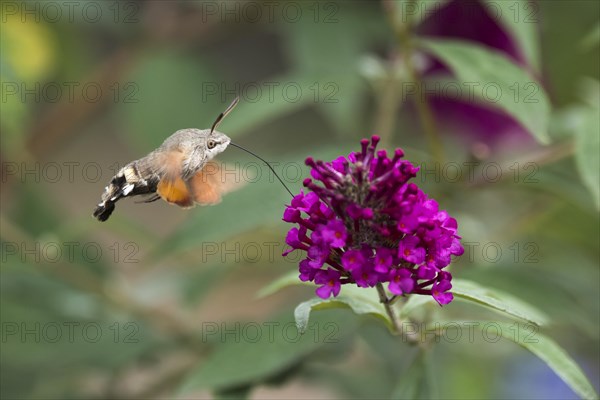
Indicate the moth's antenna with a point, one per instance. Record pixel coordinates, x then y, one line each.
218 121
224 114
268 165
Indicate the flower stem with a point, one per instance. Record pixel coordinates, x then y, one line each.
388 104
411 337
402 29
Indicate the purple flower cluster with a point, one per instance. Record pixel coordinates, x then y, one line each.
364 223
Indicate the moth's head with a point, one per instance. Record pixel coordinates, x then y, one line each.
216 142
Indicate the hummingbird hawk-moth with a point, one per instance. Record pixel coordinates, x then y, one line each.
180 171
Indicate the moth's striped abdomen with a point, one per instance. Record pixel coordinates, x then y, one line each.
127 182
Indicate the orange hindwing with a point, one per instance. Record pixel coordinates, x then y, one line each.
175 191
207 185
171 187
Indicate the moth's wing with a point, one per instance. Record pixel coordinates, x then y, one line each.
150 199
171 187
211 183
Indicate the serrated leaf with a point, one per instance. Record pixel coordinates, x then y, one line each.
498 300
359 304
515 92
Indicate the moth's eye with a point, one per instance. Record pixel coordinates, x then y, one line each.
211 144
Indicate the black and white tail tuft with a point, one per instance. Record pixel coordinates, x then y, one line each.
104 209
112 193
127 182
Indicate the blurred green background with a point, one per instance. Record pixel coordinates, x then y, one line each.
162 302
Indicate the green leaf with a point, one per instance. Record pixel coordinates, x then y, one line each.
557 359
415 382
338 92
168 77
413 303
496 81
289 279
587 141
589 92
587 148
361 301
242 392
417 11
497 300
250 115
519 18
250 358
355 299
548 351
592 39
